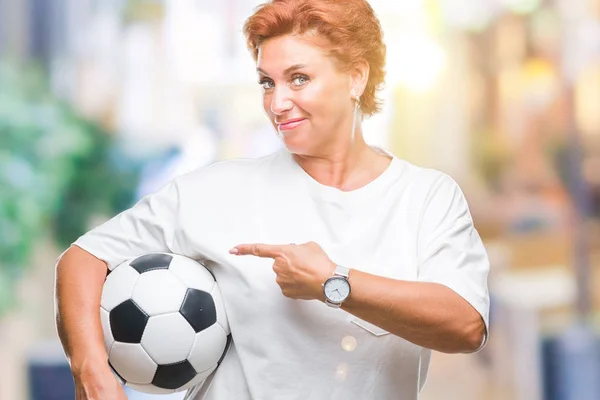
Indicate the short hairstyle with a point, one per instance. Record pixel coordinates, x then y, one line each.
351 28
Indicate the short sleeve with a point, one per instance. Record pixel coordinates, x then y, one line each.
146 227
450 250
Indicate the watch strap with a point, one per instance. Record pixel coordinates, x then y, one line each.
341 271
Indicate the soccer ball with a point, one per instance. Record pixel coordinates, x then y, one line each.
165 328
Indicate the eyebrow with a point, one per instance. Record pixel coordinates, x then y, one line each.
287 70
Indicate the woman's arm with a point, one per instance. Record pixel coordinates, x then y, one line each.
427 314
79 280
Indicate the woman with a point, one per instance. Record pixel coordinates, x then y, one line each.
328 218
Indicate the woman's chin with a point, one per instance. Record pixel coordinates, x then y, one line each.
294 147
290 137
296 141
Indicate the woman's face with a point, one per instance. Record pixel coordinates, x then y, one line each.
306 97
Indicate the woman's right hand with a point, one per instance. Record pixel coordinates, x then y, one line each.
98 384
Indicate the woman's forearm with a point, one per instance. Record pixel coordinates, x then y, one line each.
430 315
79 280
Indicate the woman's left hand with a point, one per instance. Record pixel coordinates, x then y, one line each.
301 269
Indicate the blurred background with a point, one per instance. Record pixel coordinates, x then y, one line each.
104 101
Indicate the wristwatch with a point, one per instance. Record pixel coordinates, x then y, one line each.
337 288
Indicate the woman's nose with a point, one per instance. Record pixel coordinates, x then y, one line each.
280 101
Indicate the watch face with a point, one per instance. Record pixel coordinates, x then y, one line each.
337 289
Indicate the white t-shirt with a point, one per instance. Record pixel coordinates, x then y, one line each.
409 223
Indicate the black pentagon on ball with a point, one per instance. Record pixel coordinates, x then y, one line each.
127 322
150 262
198 308
174 376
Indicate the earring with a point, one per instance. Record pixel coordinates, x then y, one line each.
355 114
356 104
356 98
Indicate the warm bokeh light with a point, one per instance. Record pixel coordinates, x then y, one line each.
341 372
349 343
415 61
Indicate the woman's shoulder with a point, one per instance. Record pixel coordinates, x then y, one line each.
425 178
226 172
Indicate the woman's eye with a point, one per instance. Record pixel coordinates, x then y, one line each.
300 80
266 83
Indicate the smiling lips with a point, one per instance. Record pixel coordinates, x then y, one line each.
290 124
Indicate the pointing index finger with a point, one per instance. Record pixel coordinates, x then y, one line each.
258 250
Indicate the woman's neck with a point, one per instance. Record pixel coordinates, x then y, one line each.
347 168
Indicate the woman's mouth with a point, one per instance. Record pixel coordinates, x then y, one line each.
290 124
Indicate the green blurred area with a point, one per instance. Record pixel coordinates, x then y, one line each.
57 170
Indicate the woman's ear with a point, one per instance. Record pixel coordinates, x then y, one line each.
360 76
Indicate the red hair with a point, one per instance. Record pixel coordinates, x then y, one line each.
351 28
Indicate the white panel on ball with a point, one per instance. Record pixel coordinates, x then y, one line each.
168 338
219 305
203 357
158 292
108 336
193 274
118 286
132 362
